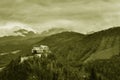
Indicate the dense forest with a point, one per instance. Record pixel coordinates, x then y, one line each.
106 69
39 69
51 69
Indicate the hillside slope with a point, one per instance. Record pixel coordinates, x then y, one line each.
99 45
65 45
13 46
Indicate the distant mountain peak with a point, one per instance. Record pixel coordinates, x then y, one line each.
54 31
24 32
9 28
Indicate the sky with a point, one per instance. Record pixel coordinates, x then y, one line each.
38 15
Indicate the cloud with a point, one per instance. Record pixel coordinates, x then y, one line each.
10 27
79 15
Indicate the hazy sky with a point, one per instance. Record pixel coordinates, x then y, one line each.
79 15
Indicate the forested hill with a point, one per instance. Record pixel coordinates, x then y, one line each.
75 46
65 45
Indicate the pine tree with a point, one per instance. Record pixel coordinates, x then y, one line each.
93 75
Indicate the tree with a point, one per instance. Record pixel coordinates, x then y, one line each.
93 75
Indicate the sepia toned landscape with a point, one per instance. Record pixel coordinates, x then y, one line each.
59 40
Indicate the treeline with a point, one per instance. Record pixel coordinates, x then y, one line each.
108 69
51 69
38 69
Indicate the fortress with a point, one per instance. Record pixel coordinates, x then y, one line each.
37 51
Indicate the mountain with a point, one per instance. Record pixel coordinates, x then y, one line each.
69 45
54 31
24 32
12 29
99 45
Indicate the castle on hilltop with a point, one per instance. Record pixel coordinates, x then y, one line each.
41 50
37 51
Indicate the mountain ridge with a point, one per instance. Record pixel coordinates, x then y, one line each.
96 43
